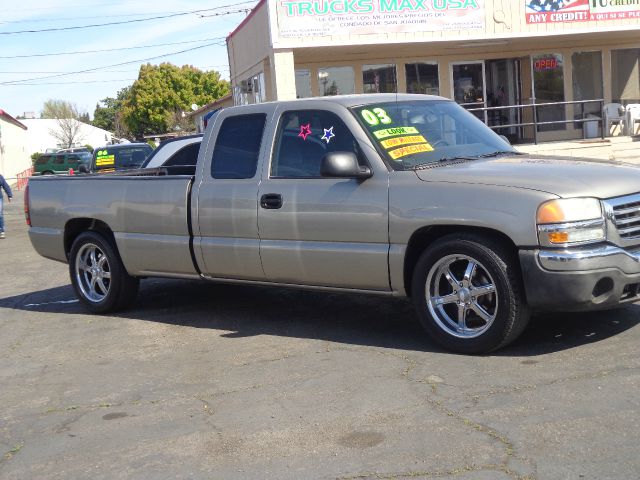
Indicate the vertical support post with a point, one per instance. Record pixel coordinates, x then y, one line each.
535 121
283 75
602 122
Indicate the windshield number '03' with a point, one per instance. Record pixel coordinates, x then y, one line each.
375 117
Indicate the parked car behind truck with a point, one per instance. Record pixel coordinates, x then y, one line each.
61 162
403 195
117 158
177 155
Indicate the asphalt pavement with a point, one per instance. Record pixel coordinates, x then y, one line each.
207 381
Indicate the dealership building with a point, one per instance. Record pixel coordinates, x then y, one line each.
577 55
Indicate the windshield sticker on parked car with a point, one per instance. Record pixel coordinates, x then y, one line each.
396 142
305 131
410 150
103 160
328 134
392 132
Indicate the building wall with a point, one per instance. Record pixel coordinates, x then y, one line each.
505 30
249 48
14 157
502 19
40 138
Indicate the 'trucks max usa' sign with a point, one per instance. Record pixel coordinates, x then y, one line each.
304 18
559 11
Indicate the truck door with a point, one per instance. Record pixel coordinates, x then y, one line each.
316 230
226 229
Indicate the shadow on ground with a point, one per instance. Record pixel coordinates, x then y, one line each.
245 311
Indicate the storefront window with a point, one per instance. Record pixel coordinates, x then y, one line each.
422 78
587 81
258 88
468 86
625 75
303 83
251 90
548 84
336 81
379 78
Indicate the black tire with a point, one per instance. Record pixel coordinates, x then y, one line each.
100 280
470 309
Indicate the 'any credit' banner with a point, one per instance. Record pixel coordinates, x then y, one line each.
559 11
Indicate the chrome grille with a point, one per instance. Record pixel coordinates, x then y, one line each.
626 217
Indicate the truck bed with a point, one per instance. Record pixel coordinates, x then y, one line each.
147 212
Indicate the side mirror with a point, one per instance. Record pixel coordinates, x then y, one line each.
83 168
505 139
343 165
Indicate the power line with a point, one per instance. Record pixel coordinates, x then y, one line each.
108 70
56 7
159 17
71 82
11 82
109 49
55 19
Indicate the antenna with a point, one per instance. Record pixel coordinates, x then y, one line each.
395 74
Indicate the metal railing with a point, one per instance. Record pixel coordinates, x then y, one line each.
21 178
535 123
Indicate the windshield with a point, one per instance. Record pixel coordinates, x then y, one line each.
422 132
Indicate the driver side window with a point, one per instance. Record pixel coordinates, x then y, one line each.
304 137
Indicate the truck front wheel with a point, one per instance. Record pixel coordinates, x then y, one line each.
468 295
100 280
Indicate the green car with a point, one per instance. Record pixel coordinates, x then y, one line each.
61 162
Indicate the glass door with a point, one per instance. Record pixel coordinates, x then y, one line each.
504 88
468 84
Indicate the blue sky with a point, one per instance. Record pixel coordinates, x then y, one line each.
86 89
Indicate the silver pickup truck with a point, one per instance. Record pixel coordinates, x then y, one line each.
404 195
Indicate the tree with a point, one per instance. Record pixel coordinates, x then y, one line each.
108 116
68 119
160 95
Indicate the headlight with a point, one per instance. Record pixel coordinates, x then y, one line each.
570 221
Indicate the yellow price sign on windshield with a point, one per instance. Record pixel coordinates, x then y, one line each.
410 150
106 160
395 142
391 132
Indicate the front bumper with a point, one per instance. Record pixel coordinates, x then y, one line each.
577 279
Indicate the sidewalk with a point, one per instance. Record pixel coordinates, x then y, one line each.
623 148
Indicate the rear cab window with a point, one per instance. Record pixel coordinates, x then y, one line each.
237 147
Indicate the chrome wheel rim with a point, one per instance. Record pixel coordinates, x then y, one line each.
461 296
93 272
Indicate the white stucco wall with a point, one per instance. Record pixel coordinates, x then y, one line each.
40 138
14 157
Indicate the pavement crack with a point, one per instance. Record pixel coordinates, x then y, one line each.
11 453
476 396
431 399
436 473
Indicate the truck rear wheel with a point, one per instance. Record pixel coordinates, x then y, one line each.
468 295
100 280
